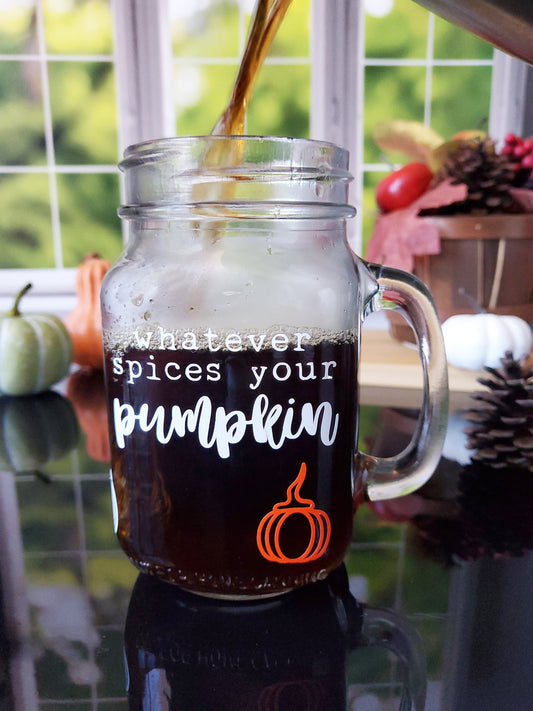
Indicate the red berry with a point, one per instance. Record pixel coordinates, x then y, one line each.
528 143
511 139
527 161
519 151
507 150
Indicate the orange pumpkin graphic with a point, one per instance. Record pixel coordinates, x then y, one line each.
269 529
307 693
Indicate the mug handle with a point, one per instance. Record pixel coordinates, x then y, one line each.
383 628
390 477
367 626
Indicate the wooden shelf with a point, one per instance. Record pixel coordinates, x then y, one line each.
390 374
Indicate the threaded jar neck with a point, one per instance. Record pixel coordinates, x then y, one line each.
236 176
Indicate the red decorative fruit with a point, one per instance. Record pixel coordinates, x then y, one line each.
403 186
519 152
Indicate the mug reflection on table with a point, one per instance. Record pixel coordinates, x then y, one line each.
288 653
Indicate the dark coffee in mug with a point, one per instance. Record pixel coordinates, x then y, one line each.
234 455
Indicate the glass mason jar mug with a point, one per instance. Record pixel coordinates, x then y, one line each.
231 336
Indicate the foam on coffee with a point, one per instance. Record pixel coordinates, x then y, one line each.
280 338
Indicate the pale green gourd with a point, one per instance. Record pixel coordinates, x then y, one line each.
35 350
35 431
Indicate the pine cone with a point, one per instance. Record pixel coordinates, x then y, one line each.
494 517
496 489
495 511
502 427
487 175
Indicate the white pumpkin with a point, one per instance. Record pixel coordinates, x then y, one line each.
455 447
476 341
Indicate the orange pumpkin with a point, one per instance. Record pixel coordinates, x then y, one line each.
84 323
86 392
269 529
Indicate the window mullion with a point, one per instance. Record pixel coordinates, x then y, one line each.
143 66
49 140
508 96
430 46
337 72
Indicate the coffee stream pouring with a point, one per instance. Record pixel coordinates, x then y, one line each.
268 15
266 21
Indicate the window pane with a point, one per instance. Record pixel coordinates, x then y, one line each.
460 98
82 97
83 129
452 42
78 26
21 115
402 32
204 28
281 100
391 93
369 210
88 211
292 38
202 93
17 27
280 104
25 222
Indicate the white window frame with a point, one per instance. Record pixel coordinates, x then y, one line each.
337 76
143 70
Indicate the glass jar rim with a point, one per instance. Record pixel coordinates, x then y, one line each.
255 176
315 151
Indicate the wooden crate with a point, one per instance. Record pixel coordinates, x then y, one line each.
485 260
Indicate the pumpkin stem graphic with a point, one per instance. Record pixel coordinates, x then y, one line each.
293 491
269 529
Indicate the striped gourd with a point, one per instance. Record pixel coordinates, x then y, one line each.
35 350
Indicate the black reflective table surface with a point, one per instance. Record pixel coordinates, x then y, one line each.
431 610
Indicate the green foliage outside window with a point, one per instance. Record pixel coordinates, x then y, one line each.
206 49
281 100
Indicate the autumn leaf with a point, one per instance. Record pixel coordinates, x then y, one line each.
411 138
